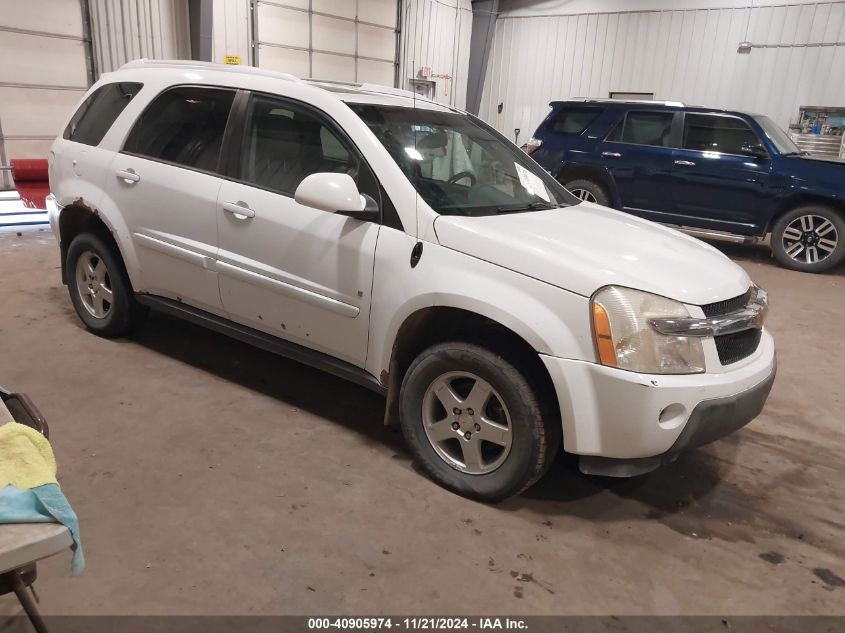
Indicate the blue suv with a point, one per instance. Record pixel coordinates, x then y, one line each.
715 173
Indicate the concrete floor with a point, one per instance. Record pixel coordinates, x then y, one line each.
214 478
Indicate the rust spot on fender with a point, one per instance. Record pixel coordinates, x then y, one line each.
384 377
80 202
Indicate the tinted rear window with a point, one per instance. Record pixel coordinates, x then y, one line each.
574 120
184 126
644 128
97 113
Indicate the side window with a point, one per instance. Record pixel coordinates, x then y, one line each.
97 113
644 128
574 120
285 142
332 147
708 133
183 126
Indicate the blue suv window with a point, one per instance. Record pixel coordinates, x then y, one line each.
710 133
644 128
574 120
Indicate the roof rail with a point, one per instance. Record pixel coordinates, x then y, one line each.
364 87
188 63
678 104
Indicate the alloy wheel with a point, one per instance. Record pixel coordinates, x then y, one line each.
94 285
810 239
583 195
467 422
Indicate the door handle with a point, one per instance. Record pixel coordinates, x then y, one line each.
685 163
240 210
128 175
611 154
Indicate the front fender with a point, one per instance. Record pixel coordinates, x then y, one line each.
551 320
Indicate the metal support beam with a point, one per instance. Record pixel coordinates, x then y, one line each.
87 35
484 14
200 25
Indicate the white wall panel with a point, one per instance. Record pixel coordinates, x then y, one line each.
343 8
282 26
350 30
378 12
38 112
376 42
45 72
683 51
34 148
231 27
52 16
373 72
335 67
124 30
285 60
437 34
535 8
42 60
330 34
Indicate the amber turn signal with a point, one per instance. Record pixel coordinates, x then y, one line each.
604 340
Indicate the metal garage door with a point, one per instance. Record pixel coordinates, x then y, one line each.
345 40
46 52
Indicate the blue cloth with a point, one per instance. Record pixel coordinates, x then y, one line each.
42 504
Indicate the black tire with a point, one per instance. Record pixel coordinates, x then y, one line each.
123 312
827 231
535 432
583 188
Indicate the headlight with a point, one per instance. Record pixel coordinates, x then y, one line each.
624 338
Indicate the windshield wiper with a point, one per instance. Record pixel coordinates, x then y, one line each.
531 206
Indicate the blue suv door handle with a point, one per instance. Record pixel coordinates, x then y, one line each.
611 154
685 163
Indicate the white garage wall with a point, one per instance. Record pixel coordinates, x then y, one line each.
436 33
685 54
343 40
522 8
46 54
231 30
124 30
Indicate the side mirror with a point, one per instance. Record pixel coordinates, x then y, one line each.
754 149
335 193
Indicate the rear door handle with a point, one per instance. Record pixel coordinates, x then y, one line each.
611 154
240 210
685 163
128 175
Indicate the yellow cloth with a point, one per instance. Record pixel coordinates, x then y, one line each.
26 459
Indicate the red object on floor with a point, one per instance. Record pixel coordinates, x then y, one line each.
31 181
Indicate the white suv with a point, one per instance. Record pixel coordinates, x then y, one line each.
408 247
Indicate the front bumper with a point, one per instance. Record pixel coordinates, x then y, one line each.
612 413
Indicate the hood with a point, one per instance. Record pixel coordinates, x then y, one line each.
585 247
823 159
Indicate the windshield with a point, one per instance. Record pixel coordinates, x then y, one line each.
461 166
777 136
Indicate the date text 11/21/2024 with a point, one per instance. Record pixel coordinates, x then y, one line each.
417 623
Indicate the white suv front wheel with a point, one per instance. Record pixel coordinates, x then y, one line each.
474 421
